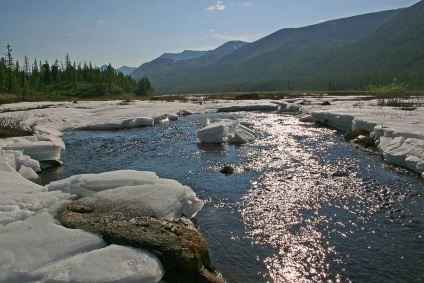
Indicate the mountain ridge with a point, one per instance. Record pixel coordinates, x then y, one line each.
341 54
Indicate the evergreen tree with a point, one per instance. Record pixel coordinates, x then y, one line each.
144 87
46 73
2 74
9 69
55 71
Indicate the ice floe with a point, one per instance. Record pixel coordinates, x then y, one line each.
139 191
226 130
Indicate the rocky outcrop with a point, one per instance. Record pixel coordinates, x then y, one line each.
181 249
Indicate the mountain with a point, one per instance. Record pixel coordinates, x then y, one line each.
185 55
394 50
126 70
103 67
167 66
343 54
285 60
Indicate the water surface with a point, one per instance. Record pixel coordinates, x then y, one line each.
281 216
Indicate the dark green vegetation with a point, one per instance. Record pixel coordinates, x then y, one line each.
11 126
346 54
63 81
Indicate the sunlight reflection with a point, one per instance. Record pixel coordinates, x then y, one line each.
289 206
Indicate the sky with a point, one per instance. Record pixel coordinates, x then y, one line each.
132 32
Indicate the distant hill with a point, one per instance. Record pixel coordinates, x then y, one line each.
185 55
396 49
167 66
285 60
126 70
343 54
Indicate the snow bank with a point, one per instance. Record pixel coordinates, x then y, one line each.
226 130
120 264
125 124
37 249
399 134
139 191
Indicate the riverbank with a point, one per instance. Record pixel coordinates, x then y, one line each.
25 202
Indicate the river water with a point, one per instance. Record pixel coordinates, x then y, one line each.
282 216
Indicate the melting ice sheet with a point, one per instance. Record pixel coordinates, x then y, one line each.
35 248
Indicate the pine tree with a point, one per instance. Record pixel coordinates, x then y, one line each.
9 69
144 87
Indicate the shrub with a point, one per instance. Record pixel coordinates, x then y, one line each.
15 126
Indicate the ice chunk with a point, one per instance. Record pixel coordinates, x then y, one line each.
31 244
242 135
384 143
363 124
27 173
156 201
25 160
104 181
214 133
226 130
137 122
408 153
8 158
339 121
110 264
38 150
125 124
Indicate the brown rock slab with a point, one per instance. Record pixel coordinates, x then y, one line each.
181 249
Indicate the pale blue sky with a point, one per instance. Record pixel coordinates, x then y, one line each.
131 32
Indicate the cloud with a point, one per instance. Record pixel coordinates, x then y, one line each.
219 5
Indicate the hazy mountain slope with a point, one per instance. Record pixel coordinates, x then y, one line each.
284 55
394 50
126 70
185 55
163 67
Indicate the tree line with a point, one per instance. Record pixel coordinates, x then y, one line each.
65 79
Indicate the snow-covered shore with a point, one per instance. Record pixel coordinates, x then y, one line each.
36 248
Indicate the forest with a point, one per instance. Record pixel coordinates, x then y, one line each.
65 80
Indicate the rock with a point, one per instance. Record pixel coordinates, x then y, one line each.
326 103
185 113
181 249
227 170
307 119
339 173
173 117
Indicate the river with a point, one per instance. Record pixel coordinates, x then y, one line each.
302 205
